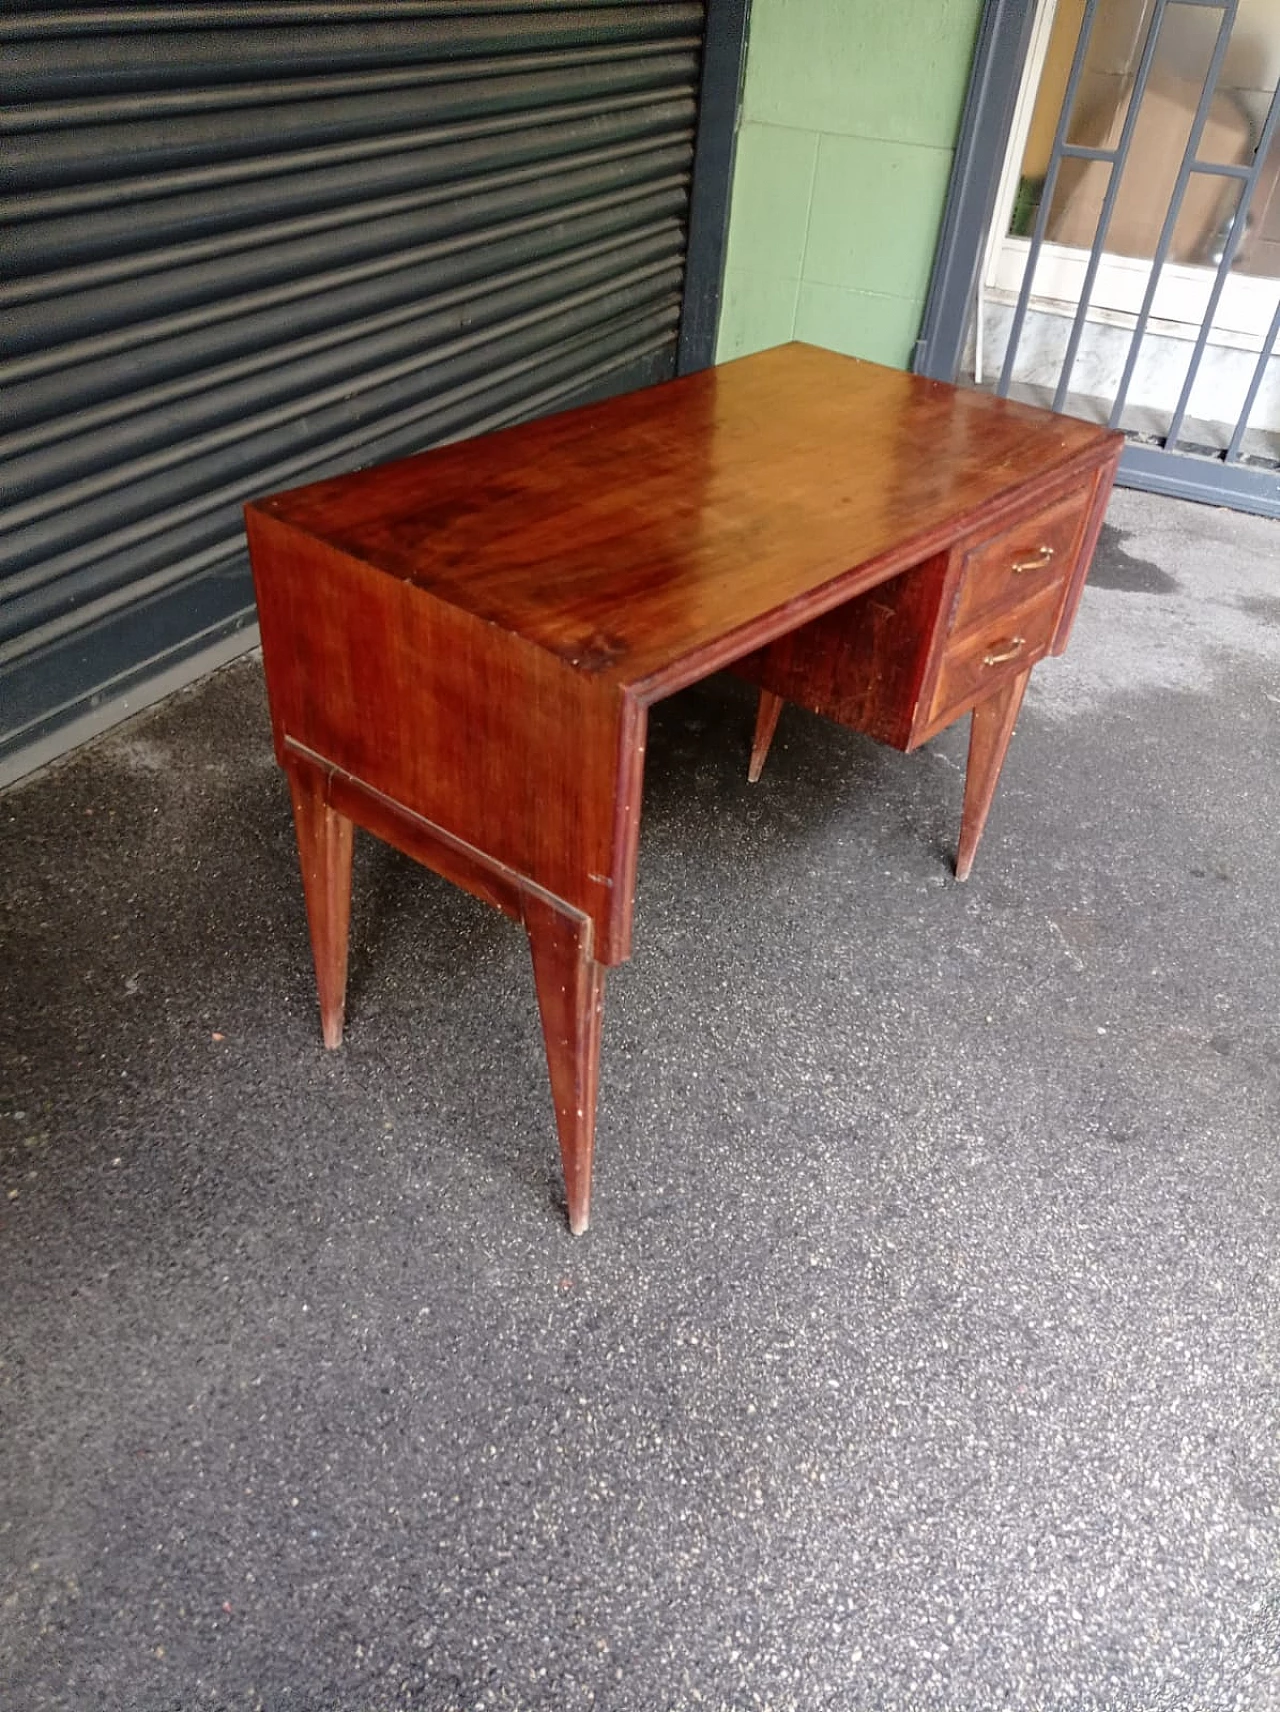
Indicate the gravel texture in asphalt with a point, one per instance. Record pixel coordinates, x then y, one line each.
925 1349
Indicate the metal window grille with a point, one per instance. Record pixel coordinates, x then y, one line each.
1168 463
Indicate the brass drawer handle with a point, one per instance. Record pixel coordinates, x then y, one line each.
1010 651
1041 559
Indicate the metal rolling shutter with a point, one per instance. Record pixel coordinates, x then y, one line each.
247 245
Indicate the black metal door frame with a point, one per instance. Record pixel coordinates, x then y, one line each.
1004 39
724 56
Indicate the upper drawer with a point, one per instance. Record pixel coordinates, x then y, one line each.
1015 565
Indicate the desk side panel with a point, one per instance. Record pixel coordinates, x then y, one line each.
533 766
1104 482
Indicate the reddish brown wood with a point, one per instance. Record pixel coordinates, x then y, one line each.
862 664
1004 644
465 866
324 853
489 739
1103 482
767 713
570 987
462 646
648 540
912 655
989 734
1036 553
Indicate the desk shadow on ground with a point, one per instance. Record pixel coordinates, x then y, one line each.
922 1353
817 777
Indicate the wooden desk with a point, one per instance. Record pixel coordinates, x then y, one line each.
461 647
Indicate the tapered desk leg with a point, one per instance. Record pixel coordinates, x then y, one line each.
992 726
766 724
570 987
324 852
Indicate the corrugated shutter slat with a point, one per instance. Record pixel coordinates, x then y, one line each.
247 246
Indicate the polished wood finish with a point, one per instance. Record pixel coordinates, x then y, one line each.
906 659
529 765
866 662
767 713
461 647
648 540
1100 497
1035 554
570 987
989 733
1004 645
325 839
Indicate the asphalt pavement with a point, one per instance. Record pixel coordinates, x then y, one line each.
924 1352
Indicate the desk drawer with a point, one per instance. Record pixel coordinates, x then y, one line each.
1005 644
1017 564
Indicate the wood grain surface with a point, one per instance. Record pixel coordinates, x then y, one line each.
641 540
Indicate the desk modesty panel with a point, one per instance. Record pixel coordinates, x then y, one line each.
460 647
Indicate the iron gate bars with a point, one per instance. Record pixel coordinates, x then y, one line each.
1247 177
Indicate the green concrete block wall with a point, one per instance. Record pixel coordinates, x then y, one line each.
849 118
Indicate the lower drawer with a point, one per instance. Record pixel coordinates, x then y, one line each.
1009 642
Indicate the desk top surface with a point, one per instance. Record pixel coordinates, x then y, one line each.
635 535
